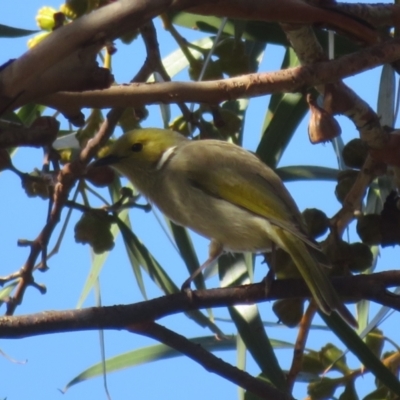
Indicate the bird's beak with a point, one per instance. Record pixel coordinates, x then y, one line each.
107 160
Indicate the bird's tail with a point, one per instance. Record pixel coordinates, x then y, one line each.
315 277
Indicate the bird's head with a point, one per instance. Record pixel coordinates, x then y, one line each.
140 150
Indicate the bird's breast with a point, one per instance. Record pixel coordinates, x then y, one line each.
237 229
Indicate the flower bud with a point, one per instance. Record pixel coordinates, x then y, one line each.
45 18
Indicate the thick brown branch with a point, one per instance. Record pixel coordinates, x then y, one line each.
291 11
19 79
371 287
41 133
86 32
289 80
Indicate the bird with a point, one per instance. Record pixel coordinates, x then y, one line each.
226 194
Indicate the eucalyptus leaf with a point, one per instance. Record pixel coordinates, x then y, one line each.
269 32
386 95
12 32
149 354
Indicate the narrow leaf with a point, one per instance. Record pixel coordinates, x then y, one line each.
149 354
288 114
233 271
386 96
307 173
96 267
29 112
12 32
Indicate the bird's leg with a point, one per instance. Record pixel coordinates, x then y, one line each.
215 251
270 277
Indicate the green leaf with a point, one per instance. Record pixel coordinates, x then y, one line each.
6 291
338 145
353 342
159 276
149 354
307 173
269 32
176 61
233 271
147 261
254 50
134 255
280 130
11 32
248 322
277 325
6 118
187 252
97 265
29 112
349 392
10 116
377 194
323 388
285 112
330 355
386 95
241 351
164 108
378 394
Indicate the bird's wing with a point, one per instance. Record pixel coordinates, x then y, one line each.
247 183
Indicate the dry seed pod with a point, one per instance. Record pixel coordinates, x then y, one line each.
355 153
284 266
312 363
338 253
361 257
390 221
36 184
316 220
289 311
346 181
322 389
322 125
94 228
369 229
100 176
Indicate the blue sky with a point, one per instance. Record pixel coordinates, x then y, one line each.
49 362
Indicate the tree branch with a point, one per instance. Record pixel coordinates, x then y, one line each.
252 85
208 360
371 287
18 79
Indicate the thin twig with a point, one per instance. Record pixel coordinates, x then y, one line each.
304 329
207 360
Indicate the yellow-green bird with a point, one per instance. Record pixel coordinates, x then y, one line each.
224 193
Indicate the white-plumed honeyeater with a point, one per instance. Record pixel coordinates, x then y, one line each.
224 193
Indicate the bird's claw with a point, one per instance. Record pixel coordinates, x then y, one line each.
269 278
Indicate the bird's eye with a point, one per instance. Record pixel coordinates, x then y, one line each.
137 147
